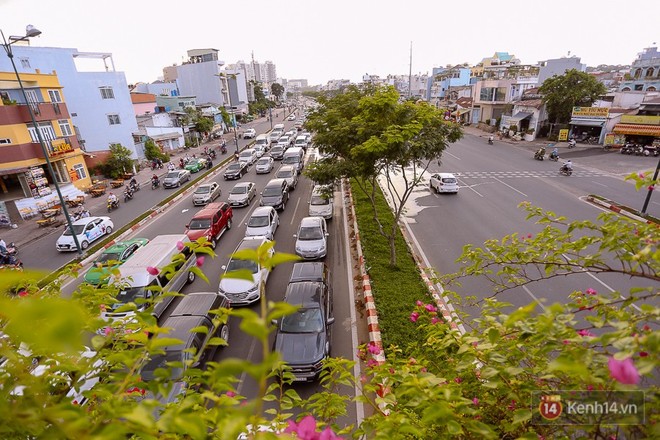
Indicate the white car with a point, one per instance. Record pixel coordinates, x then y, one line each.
292 117
86 230
274 136
239 291
263 223
242 194
259 149
320 204
248 156
264 165
443 183
250 133
290 174
206 193
312 238
284 141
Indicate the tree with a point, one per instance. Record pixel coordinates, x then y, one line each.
119 162
277 90
574 88
152 151
372 138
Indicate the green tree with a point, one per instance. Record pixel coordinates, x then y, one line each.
119 162
373 137
277 90
574 88
152 151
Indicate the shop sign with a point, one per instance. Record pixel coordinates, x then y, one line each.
612 139
59 146
563 134
640 119
590 112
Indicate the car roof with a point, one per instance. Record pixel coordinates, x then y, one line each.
209 210
308 271
445 175
305 294
251 242
286 168
262 210
206 184
84 221
120 246
276 182
310 221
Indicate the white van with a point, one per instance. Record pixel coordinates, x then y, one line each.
294 156
262 141
134 279
301 141
278 127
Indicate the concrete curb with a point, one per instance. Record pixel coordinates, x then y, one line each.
618 209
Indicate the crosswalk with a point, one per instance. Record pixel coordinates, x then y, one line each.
524 174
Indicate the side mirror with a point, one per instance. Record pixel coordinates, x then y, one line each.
295 236
330 320
273 321
223 267
327 234
188 225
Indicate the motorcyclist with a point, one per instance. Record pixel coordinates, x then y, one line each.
133 184
113 200
154 179
490 139
571 143
540 153
554 154
568 166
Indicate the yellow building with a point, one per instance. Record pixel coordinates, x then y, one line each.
23 170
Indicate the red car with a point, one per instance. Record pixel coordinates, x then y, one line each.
211 222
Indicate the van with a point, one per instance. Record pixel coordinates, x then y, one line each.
301 141
278 127
294 156
135 281
263 141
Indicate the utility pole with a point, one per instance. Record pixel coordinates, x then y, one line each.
410 73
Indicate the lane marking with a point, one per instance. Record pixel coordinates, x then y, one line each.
239 388
535 298
470 188
295 210
506 184
598 183
452 155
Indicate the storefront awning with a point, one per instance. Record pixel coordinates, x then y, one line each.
165 136
10 171
520 116
639 129
588 122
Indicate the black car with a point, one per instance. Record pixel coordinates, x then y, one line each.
236 170
275 194
303 338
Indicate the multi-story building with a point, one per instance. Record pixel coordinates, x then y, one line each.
160 128
269 72
98 101
25 175
336 84
644 72
559 66
443 79
174 103
498 59
158 88
143 103
200 76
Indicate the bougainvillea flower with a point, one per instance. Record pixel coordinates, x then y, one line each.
623 371
373 348
152 270
414 316
200 261
180 245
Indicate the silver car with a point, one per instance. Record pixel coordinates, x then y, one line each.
312 238
264 165
242 194
175 179
290 174
206 193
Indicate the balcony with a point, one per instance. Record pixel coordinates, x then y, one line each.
56 149
43 111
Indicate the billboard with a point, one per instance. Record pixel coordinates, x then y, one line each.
590 112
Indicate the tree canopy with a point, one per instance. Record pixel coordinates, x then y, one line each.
277 90
574 88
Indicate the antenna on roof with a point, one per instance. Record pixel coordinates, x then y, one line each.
569 53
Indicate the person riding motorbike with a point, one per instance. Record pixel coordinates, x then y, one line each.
540 153
113 201
490 140
154 180
555 154
567 167
133 185
571 143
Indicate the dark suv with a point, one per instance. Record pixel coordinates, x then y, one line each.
211 222
275 194
303 338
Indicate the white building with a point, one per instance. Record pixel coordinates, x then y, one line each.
199 76
98 100
161 129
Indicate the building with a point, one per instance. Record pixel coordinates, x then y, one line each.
200 76
641 128
159 88
445 80
143 103
644 72
174 103
559 66
98 100
169 73
498 59
24 175
234 90
161 129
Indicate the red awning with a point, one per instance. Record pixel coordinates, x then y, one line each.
639 129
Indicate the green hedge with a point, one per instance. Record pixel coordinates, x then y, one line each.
395 289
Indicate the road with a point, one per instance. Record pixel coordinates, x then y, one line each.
494 180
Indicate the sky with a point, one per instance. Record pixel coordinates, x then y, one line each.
339 39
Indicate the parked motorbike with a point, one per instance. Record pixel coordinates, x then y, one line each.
155 183
628 148
639 150
128 194
10 260
112 204
566 171
540 154
5 222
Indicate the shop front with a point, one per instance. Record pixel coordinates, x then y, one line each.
638 129
587 124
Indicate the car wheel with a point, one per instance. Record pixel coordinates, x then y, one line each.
229 224
178 184
84 245
191 277
108 230
224 333
212 243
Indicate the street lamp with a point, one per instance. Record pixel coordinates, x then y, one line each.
31 31
231 106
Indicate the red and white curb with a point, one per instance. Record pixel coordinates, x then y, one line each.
617 208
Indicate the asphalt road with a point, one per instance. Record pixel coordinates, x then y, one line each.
493 181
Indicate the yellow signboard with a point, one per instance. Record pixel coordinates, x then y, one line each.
590 112
59 146
563 135
640 119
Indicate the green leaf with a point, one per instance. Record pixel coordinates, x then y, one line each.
521 415
454 428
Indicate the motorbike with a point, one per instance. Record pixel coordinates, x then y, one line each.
571 143
628 148
112 204
5 222
10 260
128 194
639 150
134 186
80 214
539 155
490 140
11 249
565 170
212 154
155 183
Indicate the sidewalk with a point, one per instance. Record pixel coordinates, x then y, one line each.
533 145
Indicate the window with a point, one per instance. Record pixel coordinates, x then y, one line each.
107 93
639 86
65 127
25 63
80 170
5 141
114 119
55 96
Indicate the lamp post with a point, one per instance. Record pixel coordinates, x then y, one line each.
270 112
31 31
650 190
231 106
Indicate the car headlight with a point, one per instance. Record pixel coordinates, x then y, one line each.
322 248
298 249
253 288
221 290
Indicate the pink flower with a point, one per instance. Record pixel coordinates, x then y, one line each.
641 175
23 293
200 261
643 354
180 245
512 405
363 379
529 235
646 328
412 361
414 316
430 308
371 363
566 342
229 393
306 430
373 348
590 387
107 331
423 370
435 320
419 303
585 333
458 380
590 291
475 401
650 187
152 270
623 371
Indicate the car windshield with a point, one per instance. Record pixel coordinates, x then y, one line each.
236 264
276 150
284 139
258 222
130 295
203 190
238 190
200 223
174 175
108 256
77 229
234 167
246 155
310 233
303 321
319 200
284 173
263 162
161 360
291 159
272 191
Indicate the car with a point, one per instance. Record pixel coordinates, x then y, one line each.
259 150
264 165
241 291
321 204
291 134
443 183
290 174
308 135
277 152
304 338
86 230
196 165
284 141
292 117
235 170
250 133
263 222
242 194
111 258
312 238
211 222
206 193
249 156
275 194
174 179
274 136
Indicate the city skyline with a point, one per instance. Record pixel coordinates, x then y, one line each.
342 40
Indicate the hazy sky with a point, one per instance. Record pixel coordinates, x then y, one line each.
338 39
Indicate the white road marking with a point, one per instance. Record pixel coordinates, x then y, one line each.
241 382
538 301
452 155
470 187
506 184
598 183
185 210
295 210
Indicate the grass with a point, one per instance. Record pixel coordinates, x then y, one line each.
395 289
